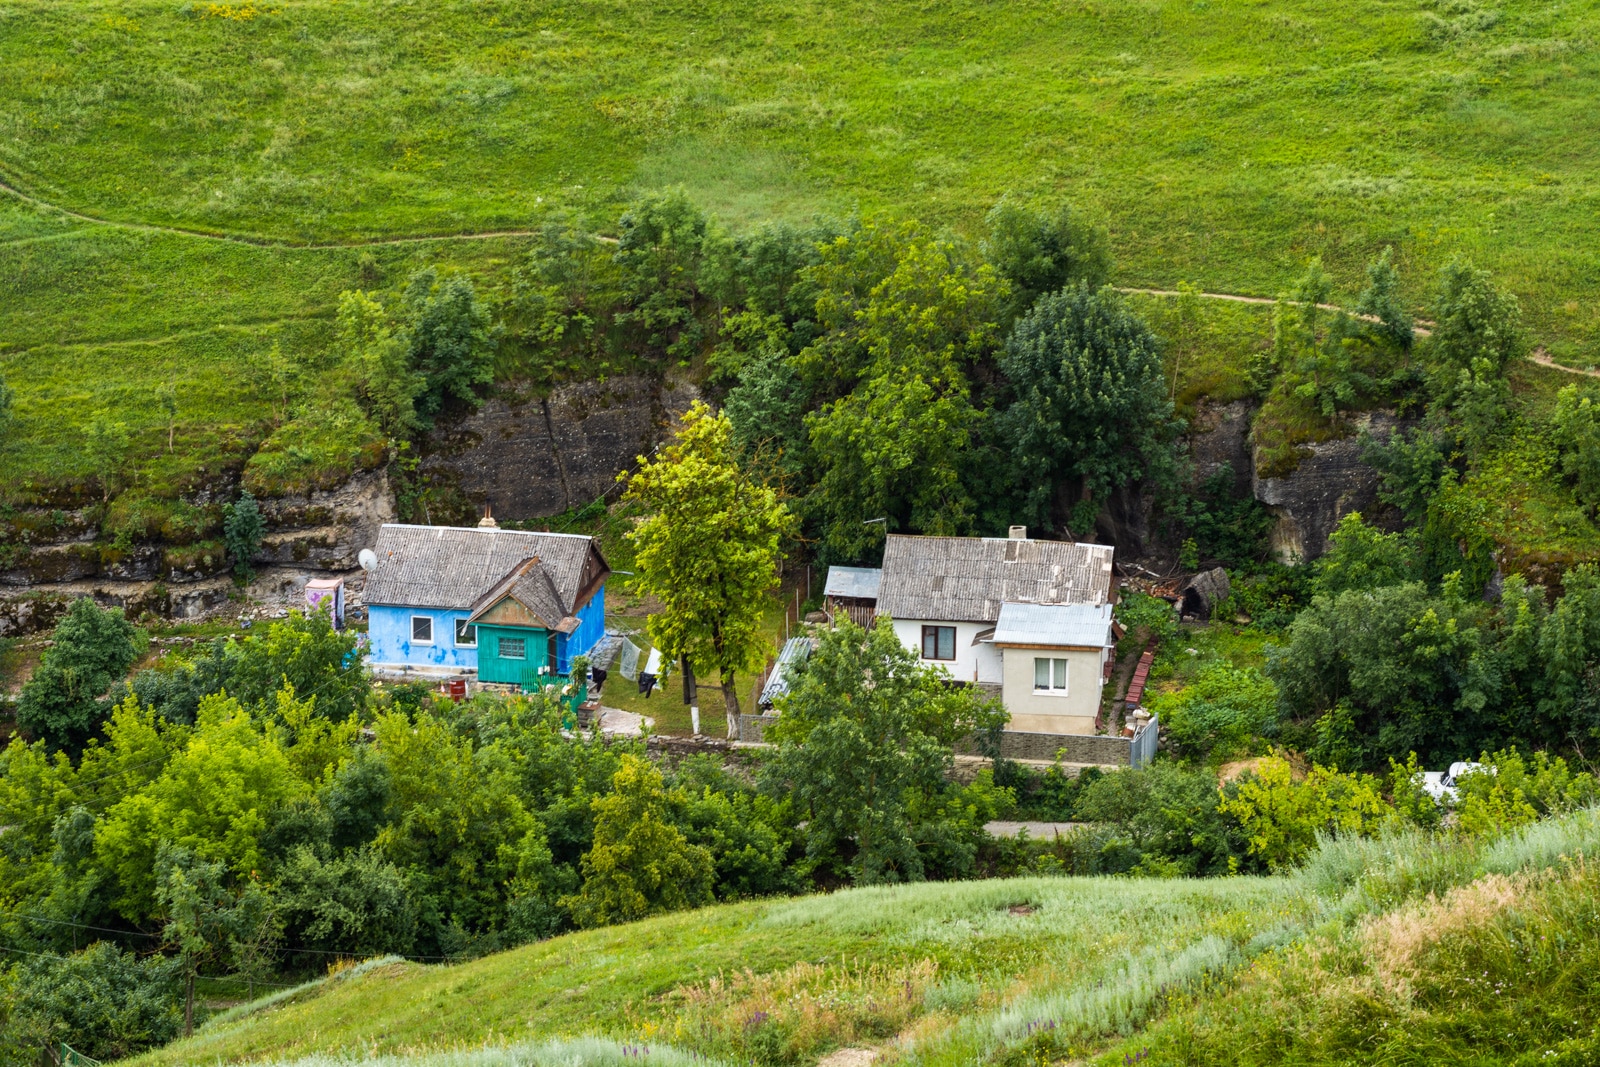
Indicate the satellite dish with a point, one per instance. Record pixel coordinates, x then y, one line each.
368 559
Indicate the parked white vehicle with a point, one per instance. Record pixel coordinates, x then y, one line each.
1441 785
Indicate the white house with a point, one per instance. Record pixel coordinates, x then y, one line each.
1030 618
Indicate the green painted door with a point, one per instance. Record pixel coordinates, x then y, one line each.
512 655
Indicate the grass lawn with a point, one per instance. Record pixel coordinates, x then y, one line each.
962 966
1222 141
665 705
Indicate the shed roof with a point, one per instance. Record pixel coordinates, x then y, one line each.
1054 625
967 579
452 566
859 583
796 651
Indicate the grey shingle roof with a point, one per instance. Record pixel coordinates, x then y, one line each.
452 566
530 583
966 579
860 583
1074 625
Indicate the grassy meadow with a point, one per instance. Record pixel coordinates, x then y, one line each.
1222 141
784 982
1403 949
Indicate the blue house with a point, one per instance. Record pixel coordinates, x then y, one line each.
508 605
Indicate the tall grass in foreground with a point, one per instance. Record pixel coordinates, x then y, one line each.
1432 951
561 1052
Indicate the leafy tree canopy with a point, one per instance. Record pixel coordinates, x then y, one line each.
91 650
708 548
864 742
1091 405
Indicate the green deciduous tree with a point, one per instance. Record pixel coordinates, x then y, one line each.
105 1002
1575 426
664 245
378 363
865 739
708 548
896 449
1477 333
106 446
212 799
304 653
1044 251
242 530
641 864
202 918
1090 404
1409 470
1282 817
462 833
1362 557
357 903
91 650
1391 670
451 338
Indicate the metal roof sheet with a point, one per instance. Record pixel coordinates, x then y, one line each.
860 583
1079 625
967 579
796 651
452 566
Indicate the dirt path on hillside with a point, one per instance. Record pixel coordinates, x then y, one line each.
248 239
1539 355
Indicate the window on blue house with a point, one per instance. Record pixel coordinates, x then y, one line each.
513 648
466 634
421 630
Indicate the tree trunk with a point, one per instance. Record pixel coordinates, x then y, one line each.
730 698
690 690
188 1005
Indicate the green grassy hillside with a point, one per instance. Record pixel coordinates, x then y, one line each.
974 963
1224 142
1405 949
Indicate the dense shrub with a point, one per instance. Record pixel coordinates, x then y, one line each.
91 649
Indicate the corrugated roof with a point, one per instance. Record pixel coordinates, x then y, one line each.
796 651
860 583
1079 625
452 566
966 579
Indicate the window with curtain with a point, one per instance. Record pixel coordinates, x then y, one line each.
1050 676
938 642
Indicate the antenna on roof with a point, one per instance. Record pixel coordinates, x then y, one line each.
368 559
487 522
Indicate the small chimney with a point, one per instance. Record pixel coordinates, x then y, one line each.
487 522
1018 533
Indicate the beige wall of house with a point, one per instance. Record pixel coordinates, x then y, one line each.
1052 712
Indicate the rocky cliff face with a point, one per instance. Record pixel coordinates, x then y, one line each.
1329 484
531 457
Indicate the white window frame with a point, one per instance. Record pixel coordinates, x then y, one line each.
500 647
415 640
463 623
1058 671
